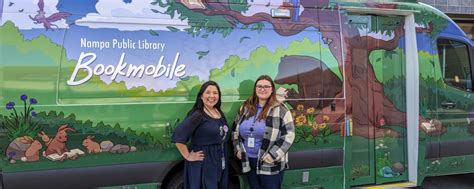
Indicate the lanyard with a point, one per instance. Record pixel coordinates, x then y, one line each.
222 133
251 129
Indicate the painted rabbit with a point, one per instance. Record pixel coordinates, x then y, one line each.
32 152
92 146
57 145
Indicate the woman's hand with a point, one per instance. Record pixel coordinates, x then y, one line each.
195 156
190 156
267 158
238 155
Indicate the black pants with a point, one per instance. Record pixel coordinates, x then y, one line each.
263 181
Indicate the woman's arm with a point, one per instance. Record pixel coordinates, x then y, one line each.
183 133
235 133
287 136
190 156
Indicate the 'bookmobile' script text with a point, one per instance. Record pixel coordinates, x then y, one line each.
123 68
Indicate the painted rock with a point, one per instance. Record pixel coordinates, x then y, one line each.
16 149
398 167
106 145
120 149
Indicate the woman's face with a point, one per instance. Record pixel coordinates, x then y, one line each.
210 97
263 89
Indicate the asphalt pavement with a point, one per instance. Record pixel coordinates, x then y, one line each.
462 181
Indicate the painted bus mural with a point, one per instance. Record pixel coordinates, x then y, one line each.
380 91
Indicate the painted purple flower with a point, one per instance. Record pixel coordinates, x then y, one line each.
33 101
34 114
226 128
11 154
10 105
23 97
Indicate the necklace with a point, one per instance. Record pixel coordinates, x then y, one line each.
214 114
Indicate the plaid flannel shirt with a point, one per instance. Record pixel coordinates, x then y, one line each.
277 140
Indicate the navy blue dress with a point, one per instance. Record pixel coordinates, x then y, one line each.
206 134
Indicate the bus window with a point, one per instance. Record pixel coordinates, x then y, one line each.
454 63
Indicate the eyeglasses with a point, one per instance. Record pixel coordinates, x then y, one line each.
266 87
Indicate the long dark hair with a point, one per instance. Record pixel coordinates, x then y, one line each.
251 103
199 104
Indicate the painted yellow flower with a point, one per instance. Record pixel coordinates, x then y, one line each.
300 120
322 125
325 118
300 107
310 110
311 123
315 126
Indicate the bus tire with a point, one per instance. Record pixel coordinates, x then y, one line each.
177 181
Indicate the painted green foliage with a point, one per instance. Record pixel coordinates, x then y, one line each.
27 52
40 54
188 87
21 121
430 75
262 61
201 24
38 116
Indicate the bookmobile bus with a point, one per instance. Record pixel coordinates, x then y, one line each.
380 91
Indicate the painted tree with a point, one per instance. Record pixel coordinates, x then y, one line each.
223 16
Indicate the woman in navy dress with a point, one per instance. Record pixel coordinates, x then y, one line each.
205 126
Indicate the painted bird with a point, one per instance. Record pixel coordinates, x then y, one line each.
47 22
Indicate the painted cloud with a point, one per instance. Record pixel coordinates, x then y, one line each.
115 14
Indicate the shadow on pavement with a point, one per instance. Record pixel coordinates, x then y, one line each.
462 181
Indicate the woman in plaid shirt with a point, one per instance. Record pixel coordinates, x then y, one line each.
262 136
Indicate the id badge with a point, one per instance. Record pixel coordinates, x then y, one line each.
251 142
223 163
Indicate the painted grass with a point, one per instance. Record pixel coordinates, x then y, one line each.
90 160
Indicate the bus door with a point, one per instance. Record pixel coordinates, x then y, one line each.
378 99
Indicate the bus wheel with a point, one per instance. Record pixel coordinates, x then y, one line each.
177 181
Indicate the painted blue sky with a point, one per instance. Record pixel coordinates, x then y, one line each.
78 8
1 9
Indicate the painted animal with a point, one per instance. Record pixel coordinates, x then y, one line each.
47 22
24 148
58 143
92 146
32 153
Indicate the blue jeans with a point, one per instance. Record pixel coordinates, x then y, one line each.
263 181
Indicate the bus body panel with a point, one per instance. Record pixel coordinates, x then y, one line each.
123 75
